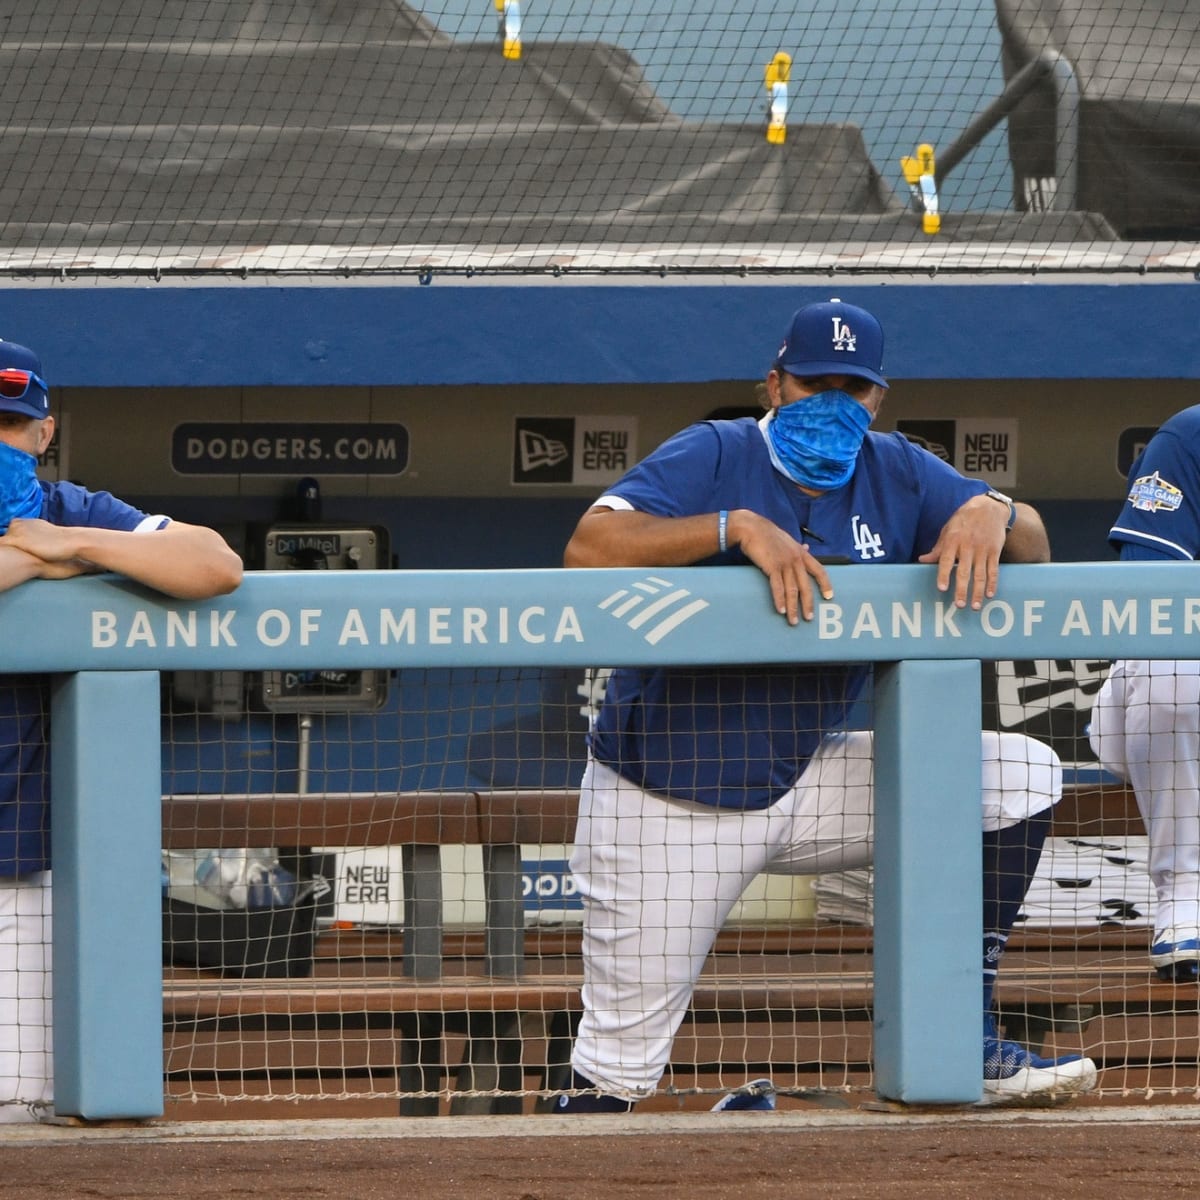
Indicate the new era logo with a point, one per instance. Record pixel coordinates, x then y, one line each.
544 450
654 603
537 450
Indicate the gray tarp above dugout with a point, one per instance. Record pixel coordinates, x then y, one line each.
217 127
46 22
1138 70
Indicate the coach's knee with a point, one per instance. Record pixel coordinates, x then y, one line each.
1021 777
1171 705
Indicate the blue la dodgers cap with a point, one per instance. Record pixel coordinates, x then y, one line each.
833 339
34 400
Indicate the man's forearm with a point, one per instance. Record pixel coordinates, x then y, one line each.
191 562
621 538
17 567
186 561
1027 541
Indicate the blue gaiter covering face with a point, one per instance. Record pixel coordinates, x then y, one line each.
20 492
815 442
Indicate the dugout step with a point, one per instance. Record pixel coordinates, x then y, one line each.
1031 1024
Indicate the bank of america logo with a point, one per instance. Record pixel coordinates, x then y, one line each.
653 604
539 451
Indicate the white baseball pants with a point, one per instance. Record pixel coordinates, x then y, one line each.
1146 730
659 877
26 1059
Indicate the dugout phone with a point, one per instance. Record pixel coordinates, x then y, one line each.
320 547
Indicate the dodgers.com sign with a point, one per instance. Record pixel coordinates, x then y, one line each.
280 448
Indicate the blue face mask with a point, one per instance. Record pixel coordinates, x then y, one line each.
815 442
20 492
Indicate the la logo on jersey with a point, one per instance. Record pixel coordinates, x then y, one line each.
843 336
868 544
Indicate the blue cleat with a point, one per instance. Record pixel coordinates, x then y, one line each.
756 1096
1175 959
1014 1075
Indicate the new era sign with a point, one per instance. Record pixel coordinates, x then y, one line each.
589 451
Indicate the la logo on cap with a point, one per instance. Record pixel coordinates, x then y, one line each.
843 336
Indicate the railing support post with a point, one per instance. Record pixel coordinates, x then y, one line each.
928 892
106 806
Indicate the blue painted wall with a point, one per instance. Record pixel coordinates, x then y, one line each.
462 332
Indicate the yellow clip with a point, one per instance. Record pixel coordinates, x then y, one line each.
919 174
921 164
777 74
510 26
779 69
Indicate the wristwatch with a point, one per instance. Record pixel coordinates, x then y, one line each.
992 494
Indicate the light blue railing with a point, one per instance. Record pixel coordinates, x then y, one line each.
108 640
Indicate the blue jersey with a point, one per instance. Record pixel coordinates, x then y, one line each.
24 701
739 737
1162 506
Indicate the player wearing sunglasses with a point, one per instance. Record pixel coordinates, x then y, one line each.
56 531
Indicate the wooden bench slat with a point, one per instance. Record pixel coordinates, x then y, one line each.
501 816
320 819
527 818
368 819
1106 980
204 998
783 936
1097 811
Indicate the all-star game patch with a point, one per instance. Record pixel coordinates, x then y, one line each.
1152 493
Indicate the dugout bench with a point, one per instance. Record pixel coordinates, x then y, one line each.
503 986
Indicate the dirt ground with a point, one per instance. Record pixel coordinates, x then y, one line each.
742 1155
